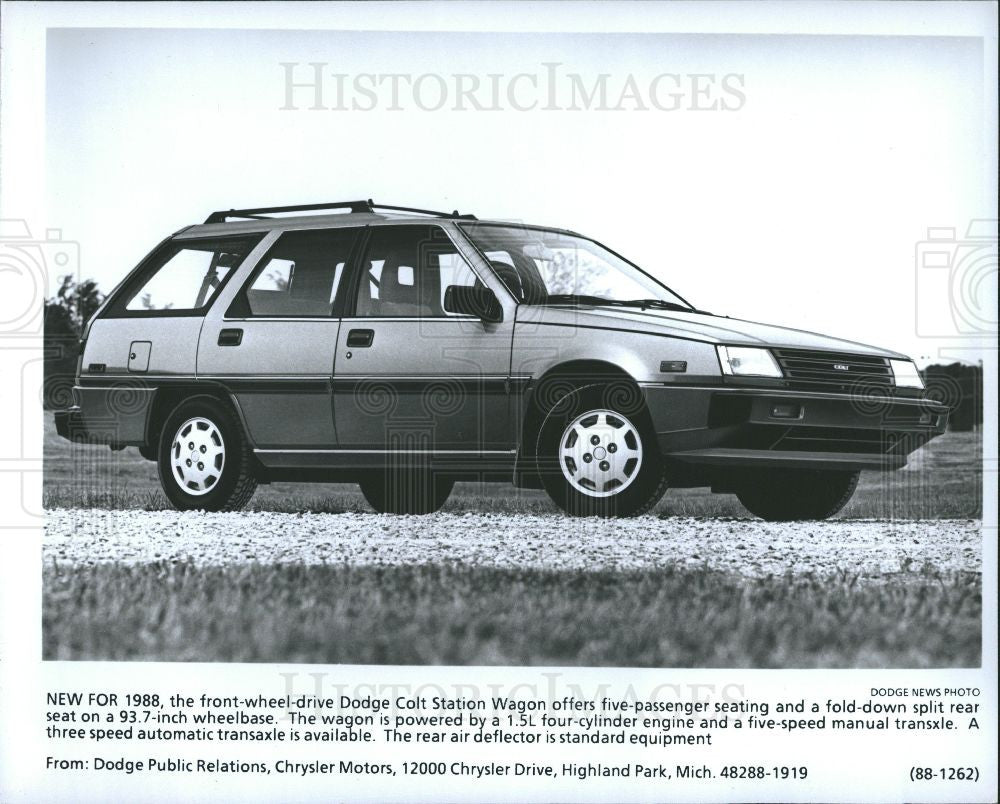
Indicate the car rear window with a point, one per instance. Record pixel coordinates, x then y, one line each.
183 276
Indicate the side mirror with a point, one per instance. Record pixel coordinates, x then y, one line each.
478 301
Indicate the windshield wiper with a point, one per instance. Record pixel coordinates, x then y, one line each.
661 304
577 298
600 301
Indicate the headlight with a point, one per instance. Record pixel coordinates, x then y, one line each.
905 374
745 361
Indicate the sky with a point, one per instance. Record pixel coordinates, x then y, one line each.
803 198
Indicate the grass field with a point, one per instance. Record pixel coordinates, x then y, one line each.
456 615
943 481
437 613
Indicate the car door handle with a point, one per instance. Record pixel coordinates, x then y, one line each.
230 337
360 338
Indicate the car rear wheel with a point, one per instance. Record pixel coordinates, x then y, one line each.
406 491
597 458
782 495
203 458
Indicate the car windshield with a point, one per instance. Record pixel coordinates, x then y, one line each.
545 267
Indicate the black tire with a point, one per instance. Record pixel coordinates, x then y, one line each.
234 484
782 495
406 491
643 487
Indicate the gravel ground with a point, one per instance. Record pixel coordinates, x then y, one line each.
748 547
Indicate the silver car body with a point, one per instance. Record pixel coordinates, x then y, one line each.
462 390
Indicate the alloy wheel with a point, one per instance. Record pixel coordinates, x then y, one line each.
600 453
197 455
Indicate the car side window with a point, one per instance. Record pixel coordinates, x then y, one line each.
406 272
300 275
185 275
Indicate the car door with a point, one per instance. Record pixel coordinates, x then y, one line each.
274 346
410 376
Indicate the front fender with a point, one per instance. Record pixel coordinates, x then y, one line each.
538 348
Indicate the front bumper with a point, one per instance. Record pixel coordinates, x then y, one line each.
751 427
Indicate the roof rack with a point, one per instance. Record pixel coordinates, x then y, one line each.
368 206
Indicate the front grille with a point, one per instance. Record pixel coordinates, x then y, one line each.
806 370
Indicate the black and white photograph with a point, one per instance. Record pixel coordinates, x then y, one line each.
589 344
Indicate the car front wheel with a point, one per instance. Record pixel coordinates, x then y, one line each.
598 460
203 458
782 495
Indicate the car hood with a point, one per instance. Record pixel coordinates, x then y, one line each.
697 326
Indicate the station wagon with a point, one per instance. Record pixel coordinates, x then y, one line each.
405 350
